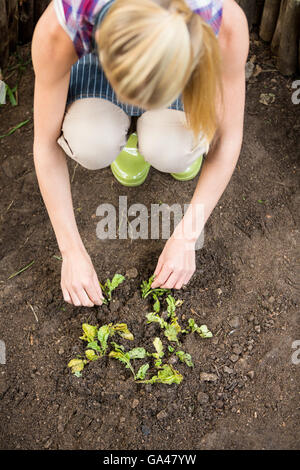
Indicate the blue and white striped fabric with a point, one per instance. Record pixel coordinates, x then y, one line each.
88 80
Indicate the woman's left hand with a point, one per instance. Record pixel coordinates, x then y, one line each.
176 264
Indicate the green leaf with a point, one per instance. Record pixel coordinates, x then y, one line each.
156 305
76 365
11 131
146 289
94 345
171 305
122 357
202 330
166 375
90 332
110 286
159 348
185 357
141 374
91 355
137 353
154 317
123 331
103 334
171 349
172 330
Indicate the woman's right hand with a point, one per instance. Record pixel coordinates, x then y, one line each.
79 281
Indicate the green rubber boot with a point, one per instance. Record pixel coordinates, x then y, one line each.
130 168
190 172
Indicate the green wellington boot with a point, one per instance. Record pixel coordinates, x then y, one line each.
190 172
130 168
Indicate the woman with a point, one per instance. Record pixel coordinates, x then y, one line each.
178 65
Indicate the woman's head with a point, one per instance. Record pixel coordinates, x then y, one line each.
151 54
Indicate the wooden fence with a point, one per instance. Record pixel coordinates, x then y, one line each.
279 22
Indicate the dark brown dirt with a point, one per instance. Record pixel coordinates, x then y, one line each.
245 290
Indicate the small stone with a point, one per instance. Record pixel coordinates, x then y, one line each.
249 69
148 388
131 273
122 419
251 374
257 329
234 358
135 403
237 349
215 340
234 322
219 291
61 351
271 299
219 404
251 317
162 415
173 360
205 377
228 370
145 430
202 398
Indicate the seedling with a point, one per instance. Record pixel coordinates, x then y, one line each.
166 375
98 338
146 289
110 286
185 357
202 330
125 357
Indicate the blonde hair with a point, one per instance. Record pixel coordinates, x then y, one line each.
151 55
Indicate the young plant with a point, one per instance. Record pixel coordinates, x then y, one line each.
185 357
146 289
166 375
110 286
202 330
76 366
125 357
159 354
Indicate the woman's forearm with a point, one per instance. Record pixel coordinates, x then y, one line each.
53 178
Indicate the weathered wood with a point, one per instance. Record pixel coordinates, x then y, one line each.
276 37
269 19
26 24
4 39
289 41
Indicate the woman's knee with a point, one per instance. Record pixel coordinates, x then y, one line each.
94 132
166 142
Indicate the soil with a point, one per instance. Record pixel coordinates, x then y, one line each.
245 290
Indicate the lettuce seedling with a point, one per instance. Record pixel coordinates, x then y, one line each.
166 375
125 357
141 373
89 332
159 352
185 357
76 366
202 330
172 329
146 289
110 286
